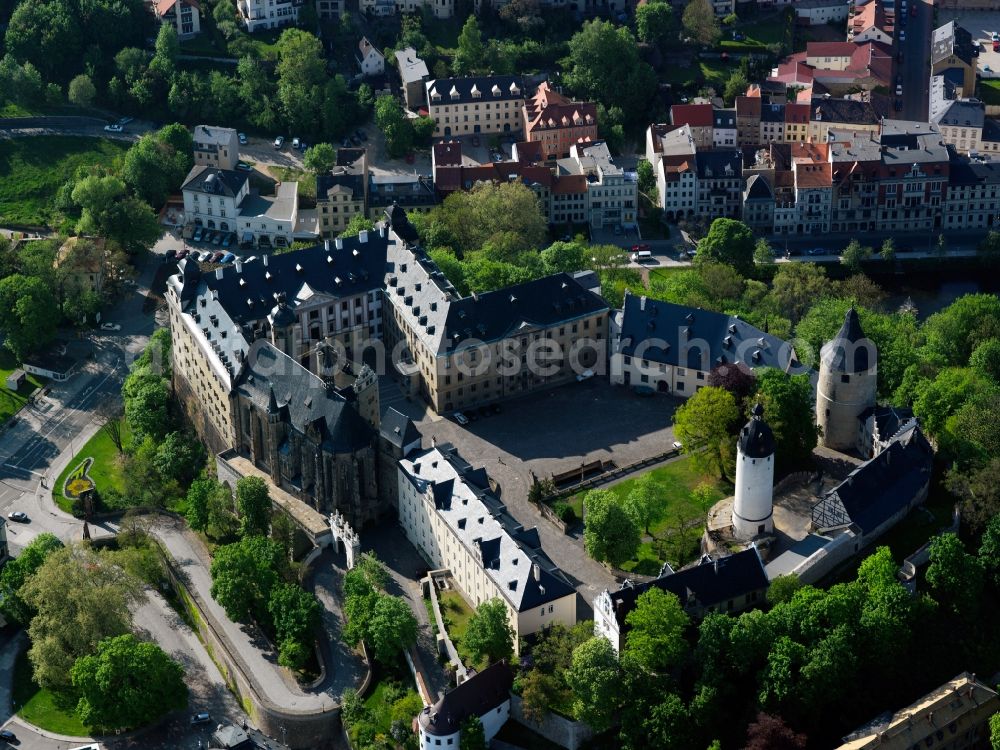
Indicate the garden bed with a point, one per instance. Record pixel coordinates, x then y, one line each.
106 471
456 613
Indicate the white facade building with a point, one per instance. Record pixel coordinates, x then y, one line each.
268 14
753 511
371 62
485 694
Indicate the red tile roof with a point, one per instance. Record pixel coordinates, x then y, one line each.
747 106
569 184
797 113
549 110
695 115
829 49
448 153
164 5
813 175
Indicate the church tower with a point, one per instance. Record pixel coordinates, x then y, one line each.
282 320
848 370
752 507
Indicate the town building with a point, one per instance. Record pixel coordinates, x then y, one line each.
341 193
720 183
879 425
82 263
329 10
913 178
612 193
699 118
953 56
439 8
955 715
670 348
216 147
724 128
272 14
959 120
727 584
411 192
413 73
475 104
183 15
485 694
557 122
871 23
819 12
844 114
664 141
370 61
973 200
454 520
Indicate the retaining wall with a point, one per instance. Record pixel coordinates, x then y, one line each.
555 728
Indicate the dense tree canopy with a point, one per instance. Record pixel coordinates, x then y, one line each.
28 314
489 634
705 425
594 678
656 639
17 572
610 535
789 410
254 505
243 575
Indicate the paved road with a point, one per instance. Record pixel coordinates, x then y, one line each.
915 67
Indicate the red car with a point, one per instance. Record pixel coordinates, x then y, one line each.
640 248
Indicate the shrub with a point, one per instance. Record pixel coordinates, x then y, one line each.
565 512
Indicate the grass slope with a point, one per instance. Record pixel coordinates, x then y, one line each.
106 471
35 168
457 613
11 401
41 707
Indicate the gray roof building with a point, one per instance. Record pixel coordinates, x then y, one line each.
215 181
947 109
475 89
411 67
952 39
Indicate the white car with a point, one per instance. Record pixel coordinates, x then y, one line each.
677 446
113 128
296 143
243 138
279 141
18 515
460 418
585 375
110 327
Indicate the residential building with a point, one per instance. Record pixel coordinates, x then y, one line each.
973 200
670 348
451 516
558 123
475 104
329 10
758 204
748 114
856 160
183 15
913 178
955 715
772 123
720 183
413 73
216 147
82 262
721 584
340 196
270 14
844 114
612 193
870 24
212 197
440 8
485 694
569 200
664 141
953 56
699 118
819 12
410 192
677 183
796 123
370 61
724 128
813 187
830 55
723 8
959 120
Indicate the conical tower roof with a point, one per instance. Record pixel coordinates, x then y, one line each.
850 351
756 438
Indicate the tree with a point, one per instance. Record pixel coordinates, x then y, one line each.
645 504
979 490
489 634
854 255
736 85
739 380
656 639
700 22
473 218
958 329
127 684
605 66
295 613
48 35
167 47
797 287
763 253
200 497
82 91
770 732
565 257
358 224
594 678
473 736
728 241
179 457
704 425
888 251
243 574
391 120
17 572
655 23
789 409
302 76
783 588
28 314
79 599
985 359
470 54
391 629
320 158
146 396
155 166
254 505
107 211
955 576
995 731
610 535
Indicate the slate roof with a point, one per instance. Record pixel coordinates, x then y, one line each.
964 171
756 439
213 180
712 165
883 485
708 584
772 113
888 419
758 189
398 429
477 696
847 111
510 88
991 130
512 555
724 119
648 325
231 737
339 177
952 39
272 377
850 350
411 67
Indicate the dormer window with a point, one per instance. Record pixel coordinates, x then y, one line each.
453 93
496 90
435 95
476 93
514 90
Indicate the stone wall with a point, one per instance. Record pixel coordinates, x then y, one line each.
558 729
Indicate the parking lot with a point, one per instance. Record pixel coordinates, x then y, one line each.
981 24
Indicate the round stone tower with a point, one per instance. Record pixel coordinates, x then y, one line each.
752 507
848 369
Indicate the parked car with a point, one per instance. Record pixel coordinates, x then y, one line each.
899 90
243 138
227 240
110 327
244 166
114 128
217 256
643 247
817 251
198 234
279 141
217 240
902 34
303 145
460 418
182 254
7 735
585 375
296 144
898 104
200 718
18 515
677 446
251 259
228 258
207 236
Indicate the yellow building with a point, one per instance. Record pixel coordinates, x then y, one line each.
476 104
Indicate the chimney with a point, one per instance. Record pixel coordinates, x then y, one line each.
434 441
536 572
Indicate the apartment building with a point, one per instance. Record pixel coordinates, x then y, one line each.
813 187
216 147
819 12
475 104
413 73
183 15
953 53
450 514
558 123
913 179
699 118
664 141
870 23
855 160
268 14
748 115
973 200
612 193
720 183
959 120
724 128
844 114
440 8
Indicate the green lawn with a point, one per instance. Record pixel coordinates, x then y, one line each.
675 539
106 471
11 401
203 44
456 613
393 685
757 35
15 110
35 168
704 72
989 90
40 707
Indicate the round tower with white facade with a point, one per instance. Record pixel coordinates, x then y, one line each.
848 377
753 511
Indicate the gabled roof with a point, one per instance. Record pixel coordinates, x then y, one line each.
748 106
695 115
758 189
830 49
477 696
447 153
365 48
707 584
162 6
952 39
465 90
550 110
398 429
225 182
